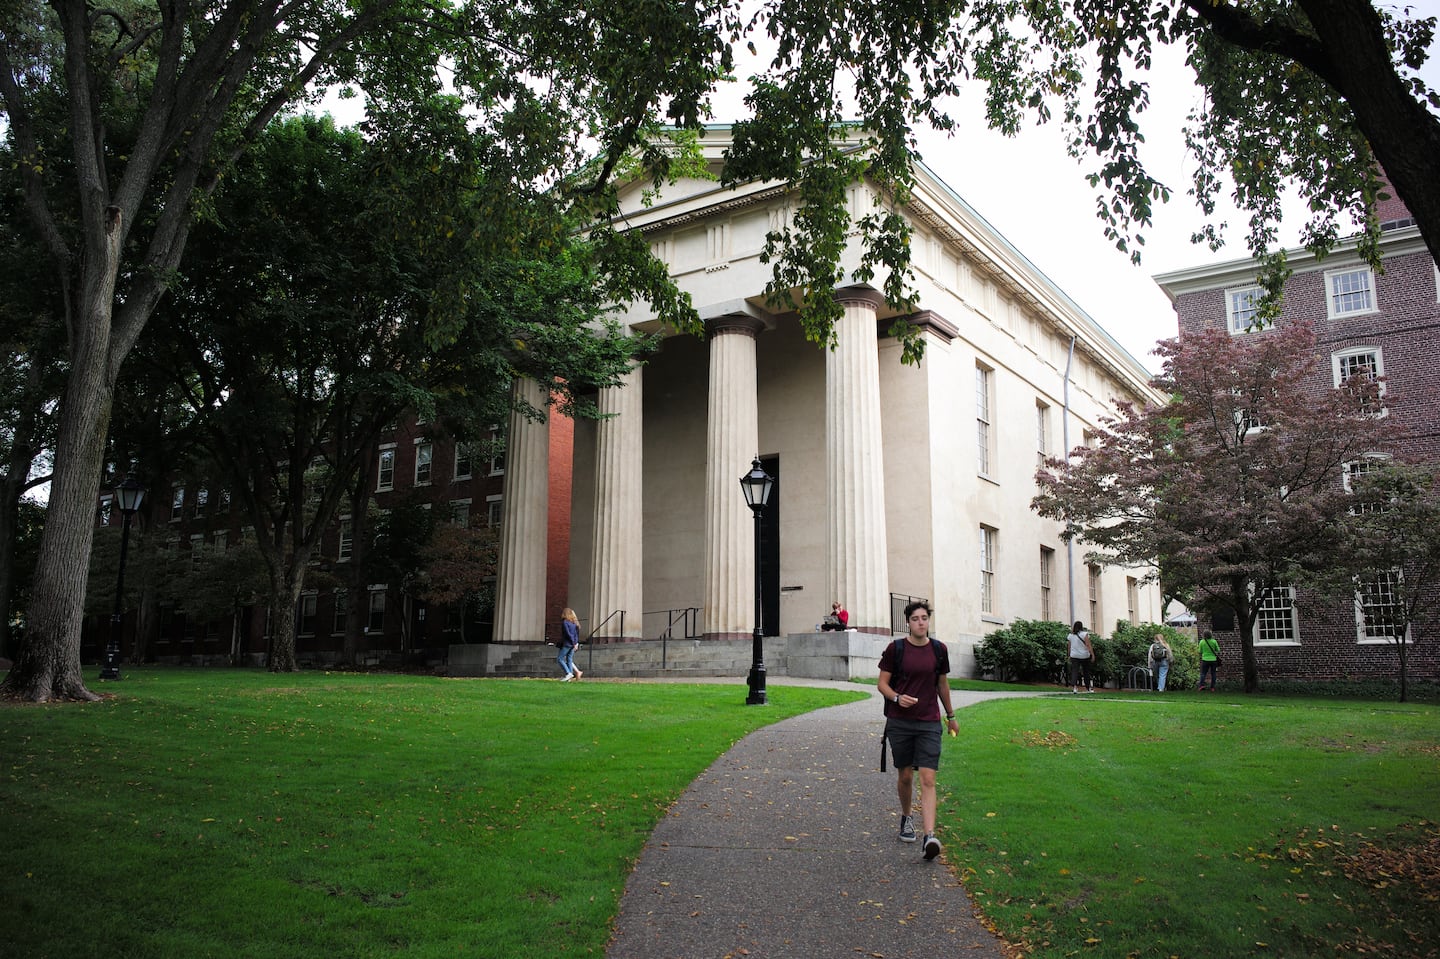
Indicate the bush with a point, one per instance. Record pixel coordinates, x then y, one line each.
1026 651
1130 646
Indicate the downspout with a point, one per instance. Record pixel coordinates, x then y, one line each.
1065 441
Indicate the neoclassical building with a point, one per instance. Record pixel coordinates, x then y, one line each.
891 480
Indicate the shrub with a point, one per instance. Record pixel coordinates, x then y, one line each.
1025 651
1130 646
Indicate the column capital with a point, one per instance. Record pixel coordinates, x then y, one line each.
928 321
861 295
733 323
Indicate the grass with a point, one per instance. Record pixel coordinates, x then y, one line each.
238 813
1192 824
222 813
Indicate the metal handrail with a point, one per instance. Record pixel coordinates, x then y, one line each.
591 635
688 615
898 602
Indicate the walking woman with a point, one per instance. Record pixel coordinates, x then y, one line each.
571 624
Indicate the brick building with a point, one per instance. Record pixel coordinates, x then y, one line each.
1380 323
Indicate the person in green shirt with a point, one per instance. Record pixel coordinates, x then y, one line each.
1209 660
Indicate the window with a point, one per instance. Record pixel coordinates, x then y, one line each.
1361 362
177 503
1349 292
202 500
493 510
1242 308
346 548
1042 432
1378 613
342 607
1093 575
987 569
460 513
221 539
386 471
103 513
497 457
462 461
1355 471
1276 622
376 621
984 386
1132 599
424 454
305 618
1047 571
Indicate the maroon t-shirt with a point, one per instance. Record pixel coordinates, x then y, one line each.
917 678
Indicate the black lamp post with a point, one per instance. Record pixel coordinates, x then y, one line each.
127 496
757 485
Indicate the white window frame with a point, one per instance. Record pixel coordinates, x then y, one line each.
463 458
989 542
460 513
497 463
1337 369
984 417
424 462
376 600
385 469
1278 613
1239 318
345 548
494 509
1047 576
1096 595
1132 599
308 607
342 598
177 503
1333 292
1042 432
1363 635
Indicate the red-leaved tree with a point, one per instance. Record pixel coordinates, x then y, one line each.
1235 487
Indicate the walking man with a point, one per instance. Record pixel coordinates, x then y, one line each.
914 681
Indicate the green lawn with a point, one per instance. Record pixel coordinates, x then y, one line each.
242 814
237 813
1198 825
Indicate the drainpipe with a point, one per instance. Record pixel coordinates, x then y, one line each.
1065 441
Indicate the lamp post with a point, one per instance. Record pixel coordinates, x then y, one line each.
128 496
757 485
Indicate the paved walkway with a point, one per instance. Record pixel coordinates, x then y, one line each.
786 847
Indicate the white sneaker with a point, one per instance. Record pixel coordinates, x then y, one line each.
567 679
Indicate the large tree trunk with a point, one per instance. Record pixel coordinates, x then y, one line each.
1242 607
285 585
48 666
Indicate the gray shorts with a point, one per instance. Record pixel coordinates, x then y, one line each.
912 744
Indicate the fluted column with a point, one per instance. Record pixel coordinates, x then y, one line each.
858 569
732 439
616 559
524 520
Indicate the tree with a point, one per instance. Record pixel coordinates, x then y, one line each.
337 289
1389 538
1233 489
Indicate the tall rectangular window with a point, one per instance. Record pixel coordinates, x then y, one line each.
1362 362
462 461
1047 573
1377 608
375 623
984 402
305 621
460 513
1093 577
346 548
1042 432
1276 622
987 569
385 472
202 500
497 457
493 510
1132 599
1349 292
1242 308
177 503
342 607
424 454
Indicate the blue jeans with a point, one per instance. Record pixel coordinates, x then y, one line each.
566 659
1162 669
